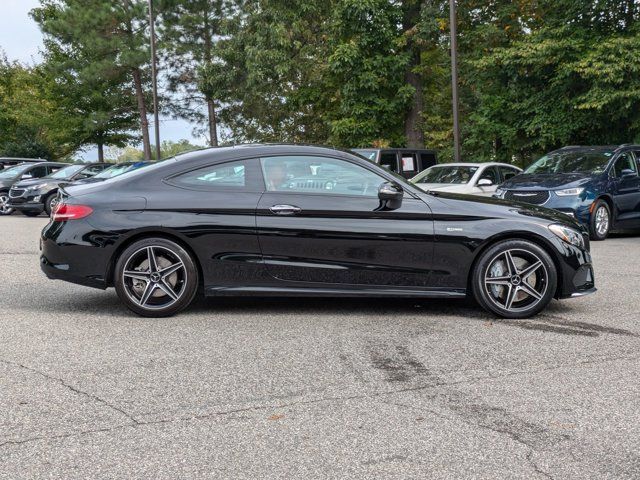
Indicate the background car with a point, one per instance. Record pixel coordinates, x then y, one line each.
468 178
254 221
403 161
598 186
114 171
24 171
8 162
34 196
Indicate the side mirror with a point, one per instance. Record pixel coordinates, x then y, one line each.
485 182
627 172
390 195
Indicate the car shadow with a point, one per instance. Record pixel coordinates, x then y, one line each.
553 320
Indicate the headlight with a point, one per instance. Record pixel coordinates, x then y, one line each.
569 192
32 189
567 234
500 192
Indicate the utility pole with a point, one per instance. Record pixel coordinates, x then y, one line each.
154 79
454 79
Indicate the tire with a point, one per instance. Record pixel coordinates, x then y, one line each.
50 202
508 273
147 291
600 222
4 199
30 213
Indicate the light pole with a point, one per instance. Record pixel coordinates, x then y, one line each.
454 79
154 79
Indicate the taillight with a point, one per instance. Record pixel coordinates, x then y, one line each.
63 212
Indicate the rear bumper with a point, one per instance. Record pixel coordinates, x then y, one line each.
73 254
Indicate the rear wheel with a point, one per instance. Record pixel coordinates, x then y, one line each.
514 279
156 277
4 207
600 223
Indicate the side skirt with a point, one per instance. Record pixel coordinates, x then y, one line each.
331 292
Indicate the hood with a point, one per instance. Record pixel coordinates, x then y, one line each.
546 181
40 181
507 209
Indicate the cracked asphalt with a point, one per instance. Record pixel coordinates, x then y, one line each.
315 388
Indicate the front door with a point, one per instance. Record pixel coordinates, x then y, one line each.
320 222
626 188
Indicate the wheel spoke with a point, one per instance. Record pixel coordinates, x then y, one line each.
530 270
153 264
165 272
148 290
511 296
497 280
166 288
529 290
144 276
511 265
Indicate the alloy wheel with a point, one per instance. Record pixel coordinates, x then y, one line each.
602 220
516 280
154 277
4 207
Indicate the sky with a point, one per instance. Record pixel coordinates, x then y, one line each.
21 40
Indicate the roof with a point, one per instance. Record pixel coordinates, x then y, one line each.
472 164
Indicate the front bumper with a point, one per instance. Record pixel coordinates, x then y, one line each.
577 207
575 273
26 202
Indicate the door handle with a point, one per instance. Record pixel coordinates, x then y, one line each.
285 209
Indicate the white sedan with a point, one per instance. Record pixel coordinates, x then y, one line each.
469 178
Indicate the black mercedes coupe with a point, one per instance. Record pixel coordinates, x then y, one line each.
292 220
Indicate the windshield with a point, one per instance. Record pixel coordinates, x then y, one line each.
66 172
115 170
13 171
368 154
572 162
454 174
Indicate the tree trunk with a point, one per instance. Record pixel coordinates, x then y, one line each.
142 109
100 152
213 123
413 120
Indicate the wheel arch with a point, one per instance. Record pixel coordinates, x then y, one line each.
539 240
608 199
140 235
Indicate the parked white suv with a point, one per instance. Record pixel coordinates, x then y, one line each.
469 178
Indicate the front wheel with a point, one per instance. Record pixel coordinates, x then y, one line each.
514 279
5 209
600 223
50 203
156 277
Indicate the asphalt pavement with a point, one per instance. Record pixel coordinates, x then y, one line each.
315 388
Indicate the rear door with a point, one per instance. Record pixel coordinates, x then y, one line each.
320 222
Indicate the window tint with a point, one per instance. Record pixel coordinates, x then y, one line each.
427 159
625 162
37 172
93 169
389 161
234 176
491 174
308 174
508 173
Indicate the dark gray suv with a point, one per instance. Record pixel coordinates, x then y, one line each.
23 171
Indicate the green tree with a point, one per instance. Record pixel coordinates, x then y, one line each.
103 41
188 35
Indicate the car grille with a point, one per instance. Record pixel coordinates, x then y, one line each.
15 193
537 197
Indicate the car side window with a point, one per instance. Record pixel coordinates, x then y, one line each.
389 161
37 172
624 162
53 169
508 173
238 176
491 174
319 175
408 163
